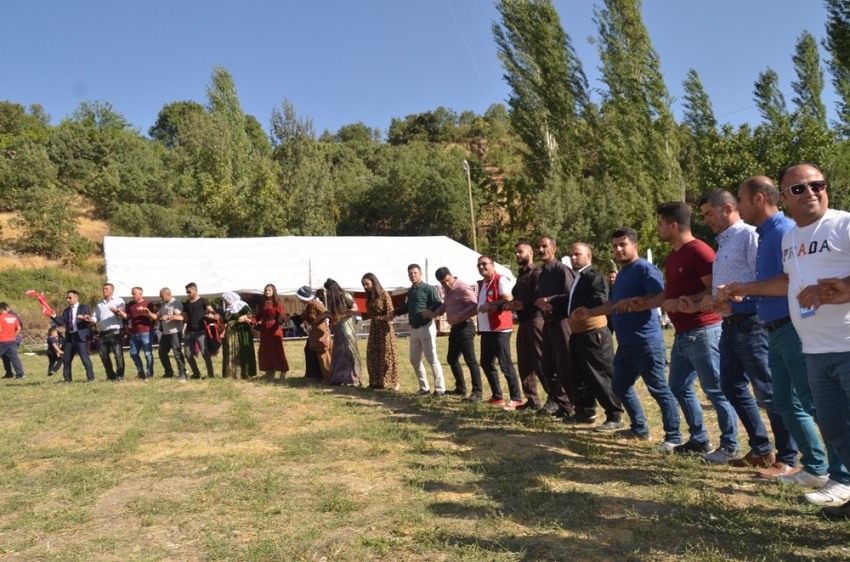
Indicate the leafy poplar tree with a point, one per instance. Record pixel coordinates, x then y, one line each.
837 43
548 85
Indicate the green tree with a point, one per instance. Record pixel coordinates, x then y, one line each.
170 119
548 86
812 141
837 43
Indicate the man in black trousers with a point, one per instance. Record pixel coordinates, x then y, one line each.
529 338
555 280
77 335
591 344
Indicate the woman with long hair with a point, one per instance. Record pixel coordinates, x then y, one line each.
345 361
269 317
239 360
381 356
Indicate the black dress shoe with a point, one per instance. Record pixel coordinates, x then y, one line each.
458 392
550 409
528 406
837 511
8 376
579 419
474 397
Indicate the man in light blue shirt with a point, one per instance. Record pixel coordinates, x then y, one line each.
110 327
743 341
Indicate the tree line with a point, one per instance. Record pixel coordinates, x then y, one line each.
559 158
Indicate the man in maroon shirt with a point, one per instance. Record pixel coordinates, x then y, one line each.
141 323
696 352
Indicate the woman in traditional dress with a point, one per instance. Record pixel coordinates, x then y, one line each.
239 360
381 357
270 315
345 361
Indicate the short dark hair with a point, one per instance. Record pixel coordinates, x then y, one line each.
191 286
675 211
139 288
550 239
486 257
109 285
523 243
789 168
72 292
4 307
627 232
765 187
718 198
414 266
442 273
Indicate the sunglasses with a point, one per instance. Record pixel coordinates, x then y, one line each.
484 263
800 188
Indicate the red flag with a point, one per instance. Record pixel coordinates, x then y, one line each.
45 308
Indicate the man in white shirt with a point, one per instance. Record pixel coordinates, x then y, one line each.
495 326
110 326
817 249
170 315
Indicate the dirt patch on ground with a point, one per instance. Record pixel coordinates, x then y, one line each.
192 447
115 500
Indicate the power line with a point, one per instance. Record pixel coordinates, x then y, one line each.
470 52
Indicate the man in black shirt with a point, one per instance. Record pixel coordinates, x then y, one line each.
529 342
194 311
556 279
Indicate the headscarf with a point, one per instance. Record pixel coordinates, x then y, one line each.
236 304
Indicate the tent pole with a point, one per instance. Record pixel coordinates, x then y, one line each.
310 273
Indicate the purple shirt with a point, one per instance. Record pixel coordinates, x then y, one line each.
458 304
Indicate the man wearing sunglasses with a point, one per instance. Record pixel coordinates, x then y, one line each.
818 247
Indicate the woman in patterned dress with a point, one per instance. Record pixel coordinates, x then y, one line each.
345 361
270 314
381 356
239 360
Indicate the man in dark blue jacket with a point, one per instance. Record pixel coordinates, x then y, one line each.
77 335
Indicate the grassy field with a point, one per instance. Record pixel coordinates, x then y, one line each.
248 470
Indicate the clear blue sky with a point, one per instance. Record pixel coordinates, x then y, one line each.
341 61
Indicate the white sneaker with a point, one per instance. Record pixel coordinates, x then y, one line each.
722 455
805 479
831 493
667 447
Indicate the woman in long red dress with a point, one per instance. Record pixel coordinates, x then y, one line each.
270 315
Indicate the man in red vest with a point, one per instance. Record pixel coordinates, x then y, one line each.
495 326
10 327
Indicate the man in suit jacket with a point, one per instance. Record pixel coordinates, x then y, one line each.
77 335
591 345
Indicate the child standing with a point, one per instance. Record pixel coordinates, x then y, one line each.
54 352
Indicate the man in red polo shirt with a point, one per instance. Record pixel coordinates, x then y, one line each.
696 346
10 327
141 323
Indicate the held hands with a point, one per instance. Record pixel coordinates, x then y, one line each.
733 292
513 305
810 297
485 308
387 317
581 313
670 305
427 314
540 302
547 308
834 291
686 304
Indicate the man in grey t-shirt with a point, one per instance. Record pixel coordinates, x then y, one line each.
170 316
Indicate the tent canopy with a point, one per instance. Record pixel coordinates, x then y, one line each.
246 265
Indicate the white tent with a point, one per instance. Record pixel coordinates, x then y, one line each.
246 265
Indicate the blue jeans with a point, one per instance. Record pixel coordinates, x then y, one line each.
744 361
696 354
143 342
646 361
793 400
829 379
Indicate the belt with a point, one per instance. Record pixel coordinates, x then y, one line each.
420 325
733 319
776 324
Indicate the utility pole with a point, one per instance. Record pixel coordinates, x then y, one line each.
471 212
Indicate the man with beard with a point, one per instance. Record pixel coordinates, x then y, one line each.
529 341
555 280
641 352
591 345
